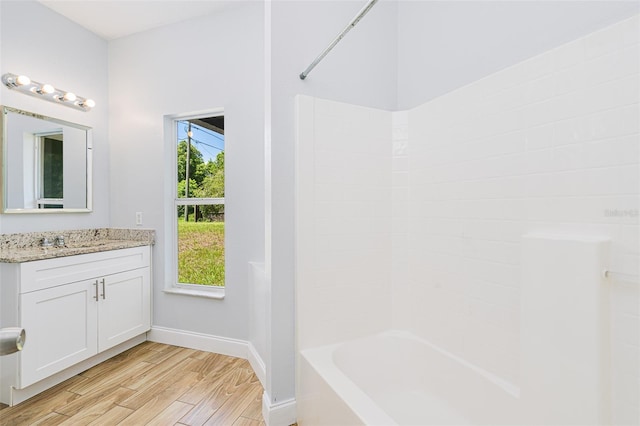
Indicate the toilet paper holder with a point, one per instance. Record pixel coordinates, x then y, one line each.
11 340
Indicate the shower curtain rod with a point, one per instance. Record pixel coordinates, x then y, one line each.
344 32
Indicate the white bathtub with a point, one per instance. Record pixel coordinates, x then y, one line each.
395 378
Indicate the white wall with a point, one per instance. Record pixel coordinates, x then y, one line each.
361 70
201 64
547 145
443 45
47 47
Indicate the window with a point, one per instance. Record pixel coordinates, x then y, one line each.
198 203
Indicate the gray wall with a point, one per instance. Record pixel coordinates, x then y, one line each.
47 47
360 70
443 45
201 64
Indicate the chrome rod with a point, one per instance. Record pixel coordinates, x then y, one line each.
104 289
344 32
96 296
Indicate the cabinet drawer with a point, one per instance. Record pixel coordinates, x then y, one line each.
43 274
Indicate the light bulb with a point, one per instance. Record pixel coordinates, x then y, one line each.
190 133
89 103
23 80
69 97
46 89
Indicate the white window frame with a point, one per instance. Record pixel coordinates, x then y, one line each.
172 286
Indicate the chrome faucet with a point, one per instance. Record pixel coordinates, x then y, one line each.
60 241
46 243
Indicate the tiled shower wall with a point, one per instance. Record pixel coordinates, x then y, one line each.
549 144
343 288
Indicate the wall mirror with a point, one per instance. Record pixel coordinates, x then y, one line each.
46 164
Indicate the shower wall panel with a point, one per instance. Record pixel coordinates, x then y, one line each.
547 145
343 276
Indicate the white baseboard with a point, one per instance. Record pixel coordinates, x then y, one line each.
199 341
279 414
20 395
257 363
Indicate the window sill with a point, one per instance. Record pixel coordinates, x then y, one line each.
214 293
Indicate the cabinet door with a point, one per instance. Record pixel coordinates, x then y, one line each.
61 324
124 310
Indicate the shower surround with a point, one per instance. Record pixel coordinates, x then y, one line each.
414 220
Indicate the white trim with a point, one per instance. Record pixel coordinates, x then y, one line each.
199 201
199 341
280 414
267 143
197 114
170 194
206 293
257 363
19 395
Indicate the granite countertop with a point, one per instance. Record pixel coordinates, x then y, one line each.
27 247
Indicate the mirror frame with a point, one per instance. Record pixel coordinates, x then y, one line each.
3 155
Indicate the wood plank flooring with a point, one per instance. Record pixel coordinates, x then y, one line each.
150 384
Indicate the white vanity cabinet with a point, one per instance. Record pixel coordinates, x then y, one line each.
75 307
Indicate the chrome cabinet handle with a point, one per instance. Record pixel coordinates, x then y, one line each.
104 289
96 296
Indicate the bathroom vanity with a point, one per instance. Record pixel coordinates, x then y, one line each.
81 296
77 303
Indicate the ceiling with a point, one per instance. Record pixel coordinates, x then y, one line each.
111 19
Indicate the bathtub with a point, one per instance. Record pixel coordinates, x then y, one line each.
396 378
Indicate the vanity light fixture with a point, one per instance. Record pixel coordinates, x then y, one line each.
24 84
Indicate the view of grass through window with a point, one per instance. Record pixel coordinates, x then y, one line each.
200 202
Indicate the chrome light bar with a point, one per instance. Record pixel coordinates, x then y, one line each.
24 84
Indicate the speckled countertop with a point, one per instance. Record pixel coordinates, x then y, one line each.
27 247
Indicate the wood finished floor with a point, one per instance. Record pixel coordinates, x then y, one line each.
150 384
